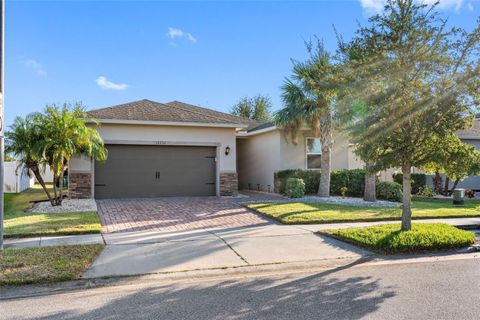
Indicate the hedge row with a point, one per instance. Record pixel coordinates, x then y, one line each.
354 180
418 181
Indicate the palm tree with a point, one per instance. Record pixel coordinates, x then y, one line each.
22 142
308 96
65 135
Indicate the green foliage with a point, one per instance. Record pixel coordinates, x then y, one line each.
353 180
256 108
308 95
310 177
418 180
455 159
53 138
416 83
390 191
295 188
423 237
426 191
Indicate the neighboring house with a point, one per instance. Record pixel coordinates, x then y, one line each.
178 149
16 178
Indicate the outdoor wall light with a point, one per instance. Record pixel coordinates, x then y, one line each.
227 150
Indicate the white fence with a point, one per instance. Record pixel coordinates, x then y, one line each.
16 178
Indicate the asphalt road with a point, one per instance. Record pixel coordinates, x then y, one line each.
431 290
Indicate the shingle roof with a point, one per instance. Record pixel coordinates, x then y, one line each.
175 111
260 126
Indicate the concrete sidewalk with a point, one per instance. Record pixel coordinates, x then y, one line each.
44 241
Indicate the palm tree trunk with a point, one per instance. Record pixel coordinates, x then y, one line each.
60 184
407 201
370 185
326 141
38 176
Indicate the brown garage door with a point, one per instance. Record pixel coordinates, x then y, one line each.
155 171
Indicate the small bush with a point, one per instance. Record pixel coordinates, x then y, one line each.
469 193
418 180
390 191
344 191
295 188
310 177
426 191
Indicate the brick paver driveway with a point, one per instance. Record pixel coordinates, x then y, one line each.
174 214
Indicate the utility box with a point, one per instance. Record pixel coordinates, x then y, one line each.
459 196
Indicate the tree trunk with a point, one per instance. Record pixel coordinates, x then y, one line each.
326 140
437 182
38 176
370 185
324 187
453 187
407 201
55 193
60 184
445 190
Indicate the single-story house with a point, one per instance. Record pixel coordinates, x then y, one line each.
16 177
178 149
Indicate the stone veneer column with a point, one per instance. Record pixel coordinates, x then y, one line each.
228 184
79 185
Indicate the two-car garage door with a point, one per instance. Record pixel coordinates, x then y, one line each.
156 171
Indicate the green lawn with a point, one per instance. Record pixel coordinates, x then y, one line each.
387 238
19 266
19 223
297 212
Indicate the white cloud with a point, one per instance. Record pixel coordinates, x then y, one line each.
375 6
178 33
108 85
470 6
35 66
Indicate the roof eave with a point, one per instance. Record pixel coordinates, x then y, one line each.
170 123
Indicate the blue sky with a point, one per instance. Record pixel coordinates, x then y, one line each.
207 53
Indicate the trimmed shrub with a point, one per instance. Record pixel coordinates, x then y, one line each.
469 193
390 191
353 180
418 180
310 177
295 188
426 191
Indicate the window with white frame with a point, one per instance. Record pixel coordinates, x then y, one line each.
313 153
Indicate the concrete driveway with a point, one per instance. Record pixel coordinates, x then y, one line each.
142 252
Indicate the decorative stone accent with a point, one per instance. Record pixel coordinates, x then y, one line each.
79 185
228 184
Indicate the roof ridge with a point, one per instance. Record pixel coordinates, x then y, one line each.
192 111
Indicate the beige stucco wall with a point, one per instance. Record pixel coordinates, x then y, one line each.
293 156
261 155
222 137
258 159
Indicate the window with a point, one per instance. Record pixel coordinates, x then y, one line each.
313 153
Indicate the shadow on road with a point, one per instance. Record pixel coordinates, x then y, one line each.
325 295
